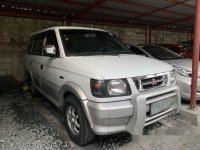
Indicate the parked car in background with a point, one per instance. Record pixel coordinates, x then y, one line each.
187 43
189 53
182 67
185 49
189 46
99 84
177 48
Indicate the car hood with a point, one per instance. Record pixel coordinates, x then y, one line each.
122 66
182 63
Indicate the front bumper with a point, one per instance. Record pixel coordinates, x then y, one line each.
185 87
130 115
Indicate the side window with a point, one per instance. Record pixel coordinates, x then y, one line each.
51 40
37 45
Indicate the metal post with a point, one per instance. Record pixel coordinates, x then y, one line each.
149 36
146 35
188 36
67 23
195 60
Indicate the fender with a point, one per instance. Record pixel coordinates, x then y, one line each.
71 88
79 93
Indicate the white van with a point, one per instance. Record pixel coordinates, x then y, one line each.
100 85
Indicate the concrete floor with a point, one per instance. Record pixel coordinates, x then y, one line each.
27 123
22 127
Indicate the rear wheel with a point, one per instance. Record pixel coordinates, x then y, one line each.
76 122
34 91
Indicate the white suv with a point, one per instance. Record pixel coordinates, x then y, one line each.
101 87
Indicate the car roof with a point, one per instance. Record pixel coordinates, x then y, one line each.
66 28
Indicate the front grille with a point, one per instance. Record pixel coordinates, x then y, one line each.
149 82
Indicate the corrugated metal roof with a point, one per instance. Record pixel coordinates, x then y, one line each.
154 13
154 3
124 6
183 9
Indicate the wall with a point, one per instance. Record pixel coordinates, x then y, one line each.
14 35
137 36
159 37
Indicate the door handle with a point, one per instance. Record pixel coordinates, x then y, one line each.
61 77
30 63
41 67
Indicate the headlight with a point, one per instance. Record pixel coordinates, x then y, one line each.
172 77
110 88
116 87
184 72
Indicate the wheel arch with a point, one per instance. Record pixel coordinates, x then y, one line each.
74 89
28 75
71 88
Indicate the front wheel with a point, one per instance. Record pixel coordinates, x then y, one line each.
76 122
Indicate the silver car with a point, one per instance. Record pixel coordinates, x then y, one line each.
182 66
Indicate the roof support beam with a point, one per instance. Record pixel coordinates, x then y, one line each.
188 18
195 60
149 7
183 4
161 9
113 9
32 16
134 14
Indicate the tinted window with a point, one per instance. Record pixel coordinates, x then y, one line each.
37 45
161 52
137 50
87 42
174 49
51 40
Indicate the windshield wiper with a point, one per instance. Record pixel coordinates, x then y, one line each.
168 58
87 53
118 52
99 53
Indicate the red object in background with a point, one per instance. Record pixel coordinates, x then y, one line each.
189 53
177 48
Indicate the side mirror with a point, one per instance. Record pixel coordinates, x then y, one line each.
50 50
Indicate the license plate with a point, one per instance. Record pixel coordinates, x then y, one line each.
160 106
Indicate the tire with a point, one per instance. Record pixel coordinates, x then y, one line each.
77 124
34 91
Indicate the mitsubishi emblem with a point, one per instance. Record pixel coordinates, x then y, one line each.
154 82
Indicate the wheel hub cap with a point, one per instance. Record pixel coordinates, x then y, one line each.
73 120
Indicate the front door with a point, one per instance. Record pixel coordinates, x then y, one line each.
49 72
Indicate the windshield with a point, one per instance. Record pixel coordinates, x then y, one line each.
91 42
161 53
